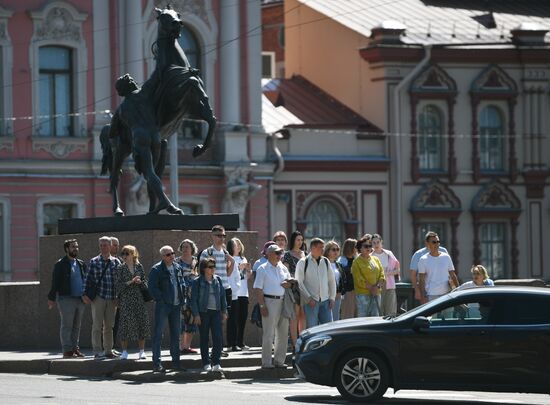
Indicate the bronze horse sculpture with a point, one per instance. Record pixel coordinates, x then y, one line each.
151 114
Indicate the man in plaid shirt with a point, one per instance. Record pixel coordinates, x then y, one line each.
100 274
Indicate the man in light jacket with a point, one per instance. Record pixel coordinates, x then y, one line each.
317 284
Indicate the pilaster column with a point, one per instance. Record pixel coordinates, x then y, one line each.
102 69
134 39
230 63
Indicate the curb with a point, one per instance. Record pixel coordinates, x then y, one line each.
199 375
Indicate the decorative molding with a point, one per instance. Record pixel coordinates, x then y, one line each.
5 261
7 143
345 200
60 147
58 21
493 83
6 76
436 196
78 200
433 79
535 181
433 83
493 79
496 197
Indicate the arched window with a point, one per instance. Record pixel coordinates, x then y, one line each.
491 145
429 139
190 45
324 221
55 90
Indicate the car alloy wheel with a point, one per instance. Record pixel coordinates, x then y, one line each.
362 377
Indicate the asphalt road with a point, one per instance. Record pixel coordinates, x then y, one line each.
49 389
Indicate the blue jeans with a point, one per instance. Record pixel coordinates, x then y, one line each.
318 315
367 305
164 312
211 322
336 309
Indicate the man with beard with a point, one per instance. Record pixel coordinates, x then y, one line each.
68 279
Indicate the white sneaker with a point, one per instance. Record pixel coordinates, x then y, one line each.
124 355
217 367
207 368
142 356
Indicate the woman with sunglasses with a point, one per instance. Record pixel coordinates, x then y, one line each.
332 250
129 279
209 308
368 276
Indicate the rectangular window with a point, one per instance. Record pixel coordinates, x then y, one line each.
54 212
438 227
55 90
493 249
268 65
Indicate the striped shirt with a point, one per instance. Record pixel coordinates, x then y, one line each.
221 263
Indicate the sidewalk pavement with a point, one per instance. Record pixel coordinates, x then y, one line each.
238 365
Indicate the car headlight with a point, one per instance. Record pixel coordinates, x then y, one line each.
316 343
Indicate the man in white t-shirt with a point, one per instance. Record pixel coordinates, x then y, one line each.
413 268
435 269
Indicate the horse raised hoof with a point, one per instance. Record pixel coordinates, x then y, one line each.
198 150
172 209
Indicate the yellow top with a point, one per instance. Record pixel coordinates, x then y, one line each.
367 271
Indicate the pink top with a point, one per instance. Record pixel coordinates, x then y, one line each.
391 267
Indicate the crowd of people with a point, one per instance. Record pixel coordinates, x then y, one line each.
295 286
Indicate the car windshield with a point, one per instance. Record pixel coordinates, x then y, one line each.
415 311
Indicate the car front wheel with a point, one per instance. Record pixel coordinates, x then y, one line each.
362 377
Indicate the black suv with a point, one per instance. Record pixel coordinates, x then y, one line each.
490 339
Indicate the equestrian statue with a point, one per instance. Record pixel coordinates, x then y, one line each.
149 115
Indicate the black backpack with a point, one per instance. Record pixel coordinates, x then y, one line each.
307 261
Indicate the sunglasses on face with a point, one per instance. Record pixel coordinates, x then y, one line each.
367 246
125 254
169 254
335 249
435 242
220 235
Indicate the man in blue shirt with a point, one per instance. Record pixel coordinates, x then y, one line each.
413 268
166 285
67 289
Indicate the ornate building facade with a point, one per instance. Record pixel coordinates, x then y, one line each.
59 61
459 130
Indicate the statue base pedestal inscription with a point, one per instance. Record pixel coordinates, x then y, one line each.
147 222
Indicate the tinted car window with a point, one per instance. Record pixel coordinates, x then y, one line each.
471 312
522 310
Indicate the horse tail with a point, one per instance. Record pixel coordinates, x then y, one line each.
107 159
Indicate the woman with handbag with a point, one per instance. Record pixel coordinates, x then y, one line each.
130 283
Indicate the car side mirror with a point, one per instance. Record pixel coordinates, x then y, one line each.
421 322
